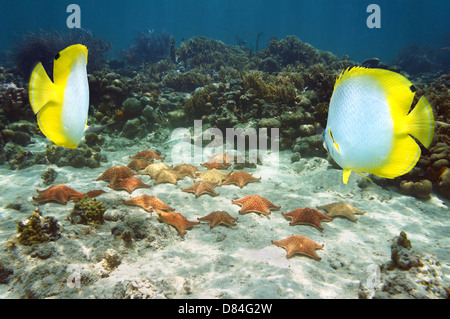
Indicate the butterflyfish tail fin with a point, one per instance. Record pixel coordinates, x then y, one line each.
420 122
346 175
41 89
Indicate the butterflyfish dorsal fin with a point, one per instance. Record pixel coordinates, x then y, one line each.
65 60
395 86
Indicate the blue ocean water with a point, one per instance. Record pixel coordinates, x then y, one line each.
338 26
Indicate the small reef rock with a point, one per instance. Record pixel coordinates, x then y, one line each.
408 275
137 227
49 176
109 263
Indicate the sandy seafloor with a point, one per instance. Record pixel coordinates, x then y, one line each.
224 262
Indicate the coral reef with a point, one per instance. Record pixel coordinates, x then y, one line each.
14 104
435 161
409 274
434 165
286 85
87 211
78 157
186 82
438 94
18 133
37 229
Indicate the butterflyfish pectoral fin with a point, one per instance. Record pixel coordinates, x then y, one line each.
364 176
346 175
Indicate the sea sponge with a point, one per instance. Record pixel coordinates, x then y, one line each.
37 229
87 211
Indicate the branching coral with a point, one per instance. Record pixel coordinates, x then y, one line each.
291 50
416 59
282 88
44 45
150 47
201 102
321 79
438 94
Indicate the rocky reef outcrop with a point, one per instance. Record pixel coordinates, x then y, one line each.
408 275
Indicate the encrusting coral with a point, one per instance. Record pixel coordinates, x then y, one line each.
87 211
421 189
37 229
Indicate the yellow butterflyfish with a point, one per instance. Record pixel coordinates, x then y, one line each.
61 106
370 125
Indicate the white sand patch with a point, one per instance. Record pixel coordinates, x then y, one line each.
228 262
